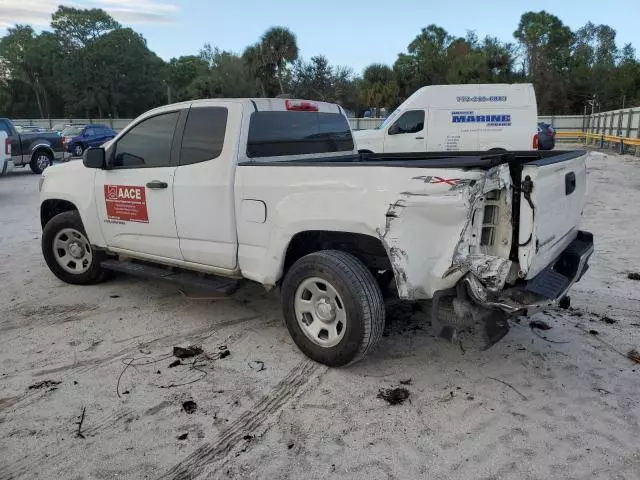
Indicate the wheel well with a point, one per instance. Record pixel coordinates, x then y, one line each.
365 151
497 150
369 250
51 208
47 150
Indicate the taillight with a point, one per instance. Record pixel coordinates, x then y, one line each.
535 142
301 105
7 146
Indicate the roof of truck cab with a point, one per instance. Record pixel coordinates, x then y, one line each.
259 104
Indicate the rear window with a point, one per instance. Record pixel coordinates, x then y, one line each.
72 131
203 136
275 134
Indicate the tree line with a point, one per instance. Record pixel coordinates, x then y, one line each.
88 65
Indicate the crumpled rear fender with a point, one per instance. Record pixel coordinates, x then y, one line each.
434 238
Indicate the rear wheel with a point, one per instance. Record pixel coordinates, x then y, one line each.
40 161
78 149
333 307
68 252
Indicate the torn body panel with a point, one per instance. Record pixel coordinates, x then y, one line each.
444 228
422 228
485 242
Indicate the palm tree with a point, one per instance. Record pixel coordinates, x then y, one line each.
254 59
279 48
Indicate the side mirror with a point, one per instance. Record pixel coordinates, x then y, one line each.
95 158
393 129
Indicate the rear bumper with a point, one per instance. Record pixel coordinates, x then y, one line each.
545 289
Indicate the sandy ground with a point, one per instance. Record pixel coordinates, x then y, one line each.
572 412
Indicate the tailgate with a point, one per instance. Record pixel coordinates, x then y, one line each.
551 203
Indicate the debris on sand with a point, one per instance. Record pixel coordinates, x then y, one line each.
257 365
183 436
175 363
80 422
189 406
224 353
608 320
565 302
594 332
408 381
394 396
114 296
44 384
248 438
634 276
188 352
539 324
633 355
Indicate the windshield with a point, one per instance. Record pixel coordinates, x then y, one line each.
72 131
389 120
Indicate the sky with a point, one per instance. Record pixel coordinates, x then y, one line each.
354 33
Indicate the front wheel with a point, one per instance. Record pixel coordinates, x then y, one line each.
333 307
68 252
40 161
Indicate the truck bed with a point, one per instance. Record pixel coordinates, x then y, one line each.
463 160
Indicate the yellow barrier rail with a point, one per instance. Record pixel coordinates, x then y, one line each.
599 137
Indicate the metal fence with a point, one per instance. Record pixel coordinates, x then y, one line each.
119 123
622 123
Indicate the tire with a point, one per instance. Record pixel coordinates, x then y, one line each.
78 150
60 228
40 160
359 307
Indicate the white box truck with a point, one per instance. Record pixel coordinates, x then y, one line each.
438 118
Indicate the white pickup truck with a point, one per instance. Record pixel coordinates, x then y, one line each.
209 192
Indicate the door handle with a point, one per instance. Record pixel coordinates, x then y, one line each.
419 138
569 183
156 184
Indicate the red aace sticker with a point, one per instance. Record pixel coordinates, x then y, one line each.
126 203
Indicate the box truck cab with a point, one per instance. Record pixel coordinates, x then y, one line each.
458 118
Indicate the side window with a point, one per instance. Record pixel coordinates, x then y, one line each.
410 122
148 144
90 132
203 136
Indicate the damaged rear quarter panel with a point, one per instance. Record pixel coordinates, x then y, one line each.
431 236
490 265
423 227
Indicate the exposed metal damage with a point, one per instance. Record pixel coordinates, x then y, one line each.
470 256
458 213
